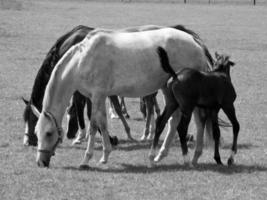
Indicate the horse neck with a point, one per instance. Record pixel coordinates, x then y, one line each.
58 93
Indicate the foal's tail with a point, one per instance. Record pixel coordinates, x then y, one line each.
164 61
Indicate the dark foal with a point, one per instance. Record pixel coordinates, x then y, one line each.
210 90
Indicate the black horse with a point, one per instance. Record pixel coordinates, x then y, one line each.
210 90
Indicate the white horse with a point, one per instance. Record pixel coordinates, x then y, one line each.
106 64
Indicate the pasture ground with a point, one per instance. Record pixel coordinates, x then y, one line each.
29 28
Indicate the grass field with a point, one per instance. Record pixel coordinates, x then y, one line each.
29 28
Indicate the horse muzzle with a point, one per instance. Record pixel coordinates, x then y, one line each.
43 159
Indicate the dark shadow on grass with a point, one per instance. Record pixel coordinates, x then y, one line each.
240 146
139 119
141 169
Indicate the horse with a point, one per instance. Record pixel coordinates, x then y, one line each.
111 63
191 88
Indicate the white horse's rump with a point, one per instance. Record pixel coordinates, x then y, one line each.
106 64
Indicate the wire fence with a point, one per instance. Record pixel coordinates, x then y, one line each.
248 2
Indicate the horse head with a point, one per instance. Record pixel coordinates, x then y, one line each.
30 116
223 63
49 135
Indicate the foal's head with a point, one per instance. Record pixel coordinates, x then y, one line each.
223 64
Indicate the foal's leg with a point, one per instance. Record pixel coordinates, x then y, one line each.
216 136
115 101
230 112
200 120
182 130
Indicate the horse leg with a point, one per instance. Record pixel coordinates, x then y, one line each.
113 140
170 109
98 120
112 113
72 122
152 126
156 104
149 110
216 136
143 107
124 109
229 110
79 101
172 124
115 101
182 131
200 119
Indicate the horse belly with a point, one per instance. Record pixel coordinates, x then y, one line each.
139 79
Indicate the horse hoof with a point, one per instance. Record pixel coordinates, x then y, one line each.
76 142
188 165
160 156
230 161
150 137
113 116
103 161
151 158
130 138
143 138
194 162
84 167
114 141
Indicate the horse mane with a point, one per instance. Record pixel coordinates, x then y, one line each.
48 65
198 40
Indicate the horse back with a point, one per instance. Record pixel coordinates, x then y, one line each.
128 61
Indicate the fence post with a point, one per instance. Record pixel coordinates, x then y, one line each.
184 1
254 2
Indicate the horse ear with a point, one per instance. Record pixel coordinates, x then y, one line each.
35 111
25 101
231 63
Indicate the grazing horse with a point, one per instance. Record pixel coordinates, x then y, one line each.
106 64
211 90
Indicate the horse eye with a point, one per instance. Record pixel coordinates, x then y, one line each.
48 134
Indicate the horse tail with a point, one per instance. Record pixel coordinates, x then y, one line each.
164 61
